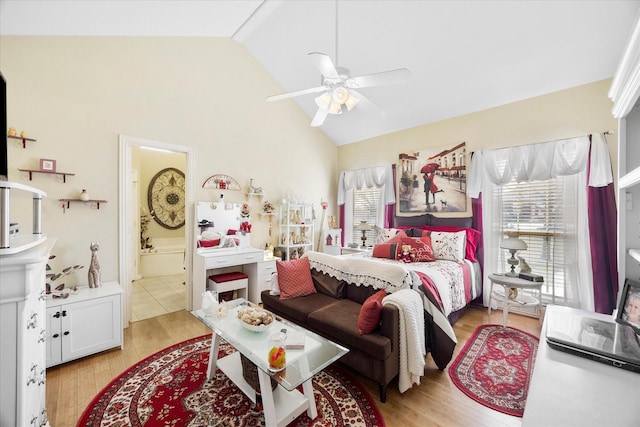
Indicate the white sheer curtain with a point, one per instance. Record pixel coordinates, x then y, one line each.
380 177
537 162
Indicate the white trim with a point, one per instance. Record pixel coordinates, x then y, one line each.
625 87
126 142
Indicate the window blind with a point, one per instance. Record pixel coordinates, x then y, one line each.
366 203
531 211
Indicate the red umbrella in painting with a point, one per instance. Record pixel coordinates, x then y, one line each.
429 168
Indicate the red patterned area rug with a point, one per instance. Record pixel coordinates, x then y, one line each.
170 388
494 367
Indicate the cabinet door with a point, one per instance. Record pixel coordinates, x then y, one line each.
91 326
54 336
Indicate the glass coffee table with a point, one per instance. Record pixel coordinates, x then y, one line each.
284 403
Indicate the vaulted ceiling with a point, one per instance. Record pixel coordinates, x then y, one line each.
464 56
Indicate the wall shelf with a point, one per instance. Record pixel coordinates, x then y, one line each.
32 171
23 139
68 201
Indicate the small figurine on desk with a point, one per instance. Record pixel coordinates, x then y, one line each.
524 267
94 269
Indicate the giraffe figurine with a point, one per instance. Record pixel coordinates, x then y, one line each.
94 268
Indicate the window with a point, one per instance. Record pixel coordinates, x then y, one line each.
532 211
366 207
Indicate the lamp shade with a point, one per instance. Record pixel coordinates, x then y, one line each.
363 226
513 243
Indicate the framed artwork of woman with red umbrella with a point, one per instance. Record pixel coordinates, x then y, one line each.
444 177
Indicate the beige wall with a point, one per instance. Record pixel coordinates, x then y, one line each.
76 95
573 112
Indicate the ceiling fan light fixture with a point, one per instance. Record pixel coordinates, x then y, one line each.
328 103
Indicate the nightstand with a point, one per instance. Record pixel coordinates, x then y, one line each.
501 294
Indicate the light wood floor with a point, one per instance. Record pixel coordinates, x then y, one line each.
435 402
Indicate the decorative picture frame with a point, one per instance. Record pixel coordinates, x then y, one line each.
47 165
629 305
433 180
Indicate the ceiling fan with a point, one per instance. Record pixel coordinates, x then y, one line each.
339 88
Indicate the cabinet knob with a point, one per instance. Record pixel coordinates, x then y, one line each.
65 333
57 315
56 335
64 313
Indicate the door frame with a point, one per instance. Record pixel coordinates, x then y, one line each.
126 222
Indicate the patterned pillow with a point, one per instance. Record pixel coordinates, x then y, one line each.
385 250
383 234
421 246
449 246
294 278
369 317
473 238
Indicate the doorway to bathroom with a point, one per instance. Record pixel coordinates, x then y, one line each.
154 238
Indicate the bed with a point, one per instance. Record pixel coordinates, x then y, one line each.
446 284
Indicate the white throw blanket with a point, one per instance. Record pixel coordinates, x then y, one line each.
412 346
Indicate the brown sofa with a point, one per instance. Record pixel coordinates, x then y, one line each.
333 312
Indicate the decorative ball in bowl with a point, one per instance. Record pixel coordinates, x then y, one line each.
255 319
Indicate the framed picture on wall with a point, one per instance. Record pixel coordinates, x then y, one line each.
47 165
432 180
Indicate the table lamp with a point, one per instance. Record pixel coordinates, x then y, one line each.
513 244
364 227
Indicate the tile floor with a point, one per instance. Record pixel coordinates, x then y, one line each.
155 296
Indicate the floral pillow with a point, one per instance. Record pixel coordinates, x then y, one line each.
383 234
449 246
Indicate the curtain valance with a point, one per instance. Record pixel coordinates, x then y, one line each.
377 176
538 162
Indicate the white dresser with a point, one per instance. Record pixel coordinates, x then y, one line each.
23 336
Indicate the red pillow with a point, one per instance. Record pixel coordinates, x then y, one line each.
385 250
208 243
473 238
369 317
422 250
294 278
399 235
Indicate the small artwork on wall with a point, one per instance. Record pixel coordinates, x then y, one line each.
432 180
47 165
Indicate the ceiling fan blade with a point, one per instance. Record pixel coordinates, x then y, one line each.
296 93
365 104
318 119
400 75
324 64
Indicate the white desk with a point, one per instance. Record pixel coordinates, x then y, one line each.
253 265
568 390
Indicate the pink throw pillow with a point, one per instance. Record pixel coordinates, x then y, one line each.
369 317
294 278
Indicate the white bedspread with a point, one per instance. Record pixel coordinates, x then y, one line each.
412 345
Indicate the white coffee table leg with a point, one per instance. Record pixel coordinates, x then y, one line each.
213 355
307 387
268 404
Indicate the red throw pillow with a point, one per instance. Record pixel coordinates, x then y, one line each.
369 317
209 243
385 250
399 235
294 278
422 250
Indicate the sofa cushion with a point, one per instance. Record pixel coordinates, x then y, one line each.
296 309
359 294
294 278
369 317
328 285
339 322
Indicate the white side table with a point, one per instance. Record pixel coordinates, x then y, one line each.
514 282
